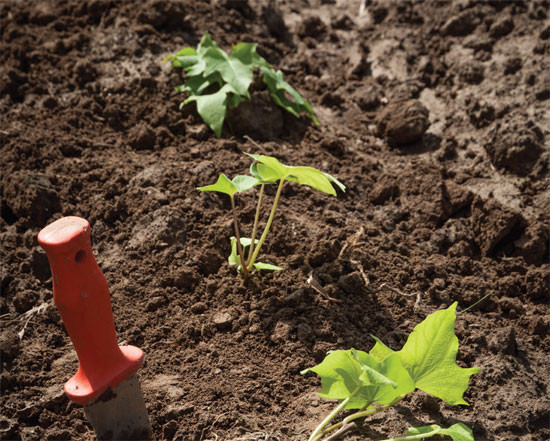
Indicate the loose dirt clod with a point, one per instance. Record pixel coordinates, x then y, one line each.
403 122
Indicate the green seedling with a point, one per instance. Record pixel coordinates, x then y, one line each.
218 81
265 170
375 381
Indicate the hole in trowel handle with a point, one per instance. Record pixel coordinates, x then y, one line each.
80 256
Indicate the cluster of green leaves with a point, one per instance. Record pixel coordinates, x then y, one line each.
374 381
265 170
218 81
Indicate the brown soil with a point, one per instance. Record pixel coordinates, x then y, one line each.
435 116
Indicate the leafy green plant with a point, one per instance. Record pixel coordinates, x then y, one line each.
218 81
375 381
265 170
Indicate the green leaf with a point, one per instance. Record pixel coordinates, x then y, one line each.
267 266
254 172
246 54
271 169
192 60
380 351
183 58
335 181
429 355
313 178
232 70
189 60
212 108
458 432
222 185
244 182
205 43
393 369
358 376
278 88
209 64
197 85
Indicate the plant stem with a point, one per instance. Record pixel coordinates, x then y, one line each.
330 416
268 225
238 236
360 414
476 303
255 227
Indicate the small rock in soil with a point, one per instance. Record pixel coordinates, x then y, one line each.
150 177
142 137
312 27
184 278
222 320
533 244
161 228
540 326
461 24
481 113
85 72
155 303
367 98
403 122
31 196
9 345
515 144
175 411
452 232
491 224
471 72
511 307
439 283
537 281
503 341
295 298
331 99
25 300
209 262
198 308
501 28
351 283
384 189
479 43
456 197
282 332
512 65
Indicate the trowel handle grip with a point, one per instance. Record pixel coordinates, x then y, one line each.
82 297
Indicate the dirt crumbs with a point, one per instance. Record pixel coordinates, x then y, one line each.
433 114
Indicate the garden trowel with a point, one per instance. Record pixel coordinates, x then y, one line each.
105 382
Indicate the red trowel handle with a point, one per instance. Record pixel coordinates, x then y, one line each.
82 297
